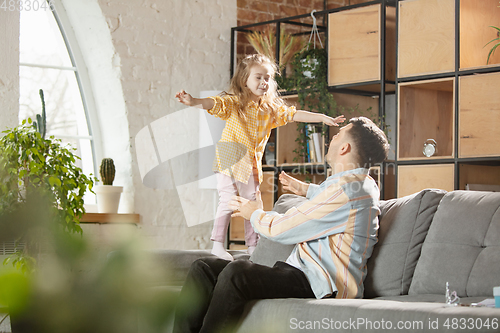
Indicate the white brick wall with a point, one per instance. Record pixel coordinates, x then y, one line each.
157 48
9 68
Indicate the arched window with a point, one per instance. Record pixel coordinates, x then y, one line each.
48 63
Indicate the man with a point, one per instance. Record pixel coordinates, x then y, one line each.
334 232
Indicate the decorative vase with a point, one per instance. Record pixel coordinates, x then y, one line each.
108 198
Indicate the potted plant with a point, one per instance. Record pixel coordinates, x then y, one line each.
32 166
108 196
309 79
497 44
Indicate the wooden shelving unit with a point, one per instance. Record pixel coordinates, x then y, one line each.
431 55
447 92
361 44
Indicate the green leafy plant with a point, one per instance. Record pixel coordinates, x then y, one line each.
497 40
41 120
107 171
32 166
497 44
313 94
312 91
77 289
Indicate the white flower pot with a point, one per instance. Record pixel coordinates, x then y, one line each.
108 198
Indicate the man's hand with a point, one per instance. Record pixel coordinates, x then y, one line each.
293 185
244 207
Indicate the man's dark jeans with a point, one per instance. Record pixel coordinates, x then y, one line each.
225 287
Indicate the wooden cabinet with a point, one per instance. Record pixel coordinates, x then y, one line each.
354 44
476 19
414 178
478 174
426 43
479 115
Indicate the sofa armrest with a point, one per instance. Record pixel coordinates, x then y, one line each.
175 264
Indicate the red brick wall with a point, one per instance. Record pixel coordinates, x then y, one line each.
253 11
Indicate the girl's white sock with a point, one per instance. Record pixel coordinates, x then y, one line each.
219 250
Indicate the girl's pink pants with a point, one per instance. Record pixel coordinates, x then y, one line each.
229 187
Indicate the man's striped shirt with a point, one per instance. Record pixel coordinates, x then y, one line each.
334 232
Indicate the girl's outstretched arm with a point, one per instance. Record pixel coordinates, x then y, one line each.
187 99
313 117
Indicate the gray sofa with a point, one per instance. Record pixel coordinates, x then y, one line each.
425 240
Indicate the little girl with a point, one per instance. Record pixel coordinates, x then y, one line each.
251 109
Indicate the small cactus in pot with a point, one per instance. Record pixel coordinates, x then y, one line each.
108 196
107 171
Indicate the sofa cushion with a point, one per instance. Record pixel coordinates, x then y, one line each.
404 223
364 315
462 246
267 251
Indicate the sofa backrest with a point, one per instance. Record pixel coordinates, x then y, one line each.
404 223
462 246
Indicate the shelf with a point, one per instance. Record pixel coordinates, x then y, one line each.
370 88
354 47
285 154
479 115
414 178
110 218
478 174
426 111
426 41
476 17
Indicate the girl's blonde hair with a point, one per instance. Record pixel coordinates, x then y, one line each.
271 100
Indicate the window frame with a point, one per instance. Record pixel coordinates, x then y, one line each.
82 79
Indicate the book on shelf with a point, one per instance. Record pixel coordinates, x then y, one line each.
317 147
314 152
311 152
